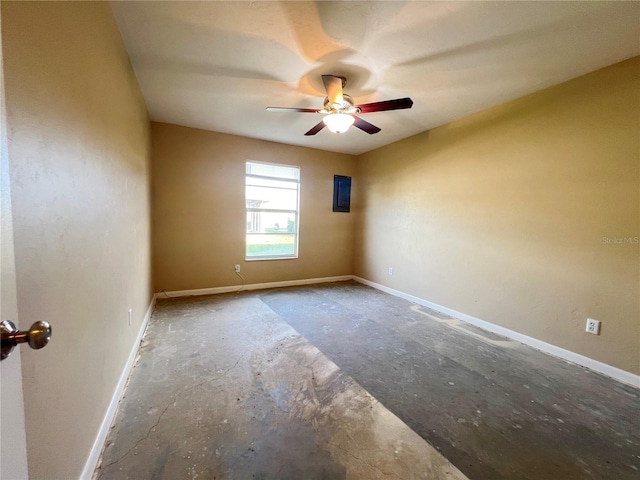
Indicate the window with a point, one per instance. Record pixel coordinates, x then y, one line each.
271 196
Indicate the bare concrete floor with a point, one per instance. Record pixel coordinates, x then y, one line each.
340 381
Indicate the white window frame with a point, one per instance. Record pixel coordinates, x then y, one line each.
296 213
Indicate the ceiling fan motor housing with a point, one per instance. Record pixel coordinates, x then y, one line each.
346 106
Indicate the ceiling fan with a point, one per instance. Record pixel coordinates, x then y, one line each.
340 112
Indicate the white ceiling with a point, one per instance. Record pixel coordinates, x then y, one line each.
217 65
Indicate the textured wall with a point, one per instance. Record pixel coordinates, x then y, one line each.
504 215
199 210
79 160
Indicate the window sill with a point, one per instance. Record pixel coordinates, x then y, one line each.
256 259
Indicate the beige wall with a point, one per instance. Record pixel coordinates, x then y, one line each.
199 216
79 153
502 215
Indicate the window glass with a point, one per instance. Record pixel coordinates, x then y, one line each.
271 198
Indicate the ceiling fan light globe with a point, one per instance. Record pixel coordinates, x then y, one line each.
338 122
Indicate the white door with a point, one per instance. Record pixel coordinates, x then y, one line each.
13 446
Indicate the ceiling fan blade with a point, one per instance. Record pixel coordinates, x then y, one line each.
365 126
303 110
316 129
333 86
397 104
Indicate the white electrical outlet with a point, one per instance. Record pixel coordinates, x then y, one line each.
593 326
130 313
237 268
390 270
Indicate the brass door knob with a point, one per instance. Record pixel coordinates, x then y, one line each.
37 336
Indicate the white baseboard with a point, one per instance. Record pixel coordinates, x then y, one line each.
98 444
568 355
253 286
